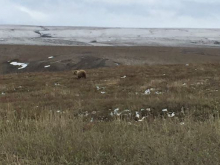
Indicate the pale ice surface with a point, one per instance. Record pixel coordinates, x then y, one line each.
22 65
85 36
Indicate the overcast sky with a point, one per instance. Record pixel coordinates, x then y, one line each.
112 13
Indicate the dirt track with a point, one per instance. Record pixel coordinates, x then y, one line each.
66 57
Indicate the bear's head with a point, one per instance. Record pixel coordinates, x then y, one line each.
75 72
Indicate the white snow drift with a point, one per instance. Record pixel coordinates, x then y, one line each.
22 65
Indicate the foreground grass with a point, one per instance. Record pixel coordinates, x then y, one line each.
53 118
63 141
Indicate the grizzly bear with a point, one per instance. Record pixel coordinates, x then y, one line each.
80 73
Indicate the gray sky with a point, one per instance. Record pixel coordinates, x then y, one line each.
112 13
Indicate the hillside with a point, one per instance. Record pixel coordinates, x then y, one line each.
62 58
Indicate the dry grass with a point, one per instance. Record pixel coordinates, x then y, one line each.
45 117
83 57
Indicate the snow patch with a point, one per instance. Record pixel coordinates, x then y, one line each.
164 110
46 66
22 65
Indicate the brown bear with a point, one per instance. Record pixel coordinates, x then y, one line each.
80 73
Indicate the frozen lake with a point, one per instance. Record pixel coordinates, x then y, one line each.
91 36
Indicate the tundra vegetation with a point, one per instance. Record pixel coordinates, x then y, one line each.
161 114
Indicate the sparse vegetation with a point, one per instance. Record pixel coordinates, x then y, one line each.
54 118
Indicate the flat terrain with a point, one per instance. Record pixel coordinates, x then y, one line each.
62 58
160 114
96 36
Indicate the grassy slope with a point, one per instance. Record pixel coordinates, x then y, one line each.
43 116
67 58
